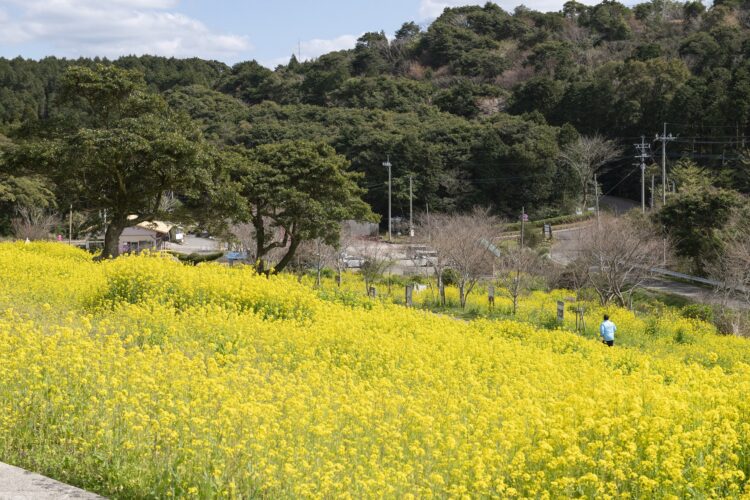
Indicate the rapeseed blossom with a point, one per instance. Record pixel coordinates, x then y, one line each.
142 377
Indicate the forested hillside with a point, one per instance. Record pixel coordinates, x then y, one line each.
477 105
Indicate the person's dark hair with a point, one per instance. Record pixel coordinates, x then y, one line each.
606 317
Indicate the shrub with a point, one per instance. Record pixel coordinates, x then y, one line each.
702 312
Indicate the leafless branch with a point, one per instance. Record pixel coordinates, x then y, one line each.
33 223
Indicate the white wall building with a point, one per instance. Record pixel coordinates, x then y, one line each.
148 235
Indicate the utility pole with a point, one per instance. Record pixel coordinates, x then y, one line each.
664 138
642 149
70 226
411 208
523 222
643 188
387 164
652 191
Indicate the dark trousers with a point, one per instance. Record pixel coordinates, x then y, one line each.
610 343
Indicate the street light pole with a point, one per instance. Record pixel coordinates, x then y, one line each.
387 164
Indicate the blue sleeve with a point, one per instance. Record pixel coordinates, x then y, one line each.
601 329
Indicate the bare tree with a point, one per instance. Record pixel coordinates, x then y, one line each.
585 156
518 266
32 223
734 262
376 262
316 254
619 255
168 203
346 239
244 235
464 242
731 270
434 227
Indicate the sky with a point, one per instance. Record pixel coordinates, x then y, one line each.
231 31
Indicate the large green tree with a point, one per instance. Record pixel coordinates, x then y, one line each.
128 151
295 191
19 189
694 219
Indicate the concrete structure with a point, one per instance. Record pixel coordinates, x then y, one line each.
19 484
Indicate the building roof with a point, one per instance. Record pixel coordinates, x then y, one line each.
155 225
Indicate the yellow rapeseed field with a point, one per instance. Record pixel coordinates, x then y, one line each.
142 377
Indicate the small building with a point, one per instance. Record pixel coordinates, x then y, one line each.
149 235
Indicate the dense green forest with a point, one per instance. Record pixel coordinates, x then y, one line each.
476 106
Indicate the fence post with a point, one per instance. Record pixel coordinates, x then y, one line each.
409 292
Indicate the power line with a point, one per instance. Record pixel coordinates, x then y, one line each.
620 182
702 125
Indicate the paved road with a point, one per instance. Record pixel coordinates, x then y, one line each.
565 244
617 205
19 484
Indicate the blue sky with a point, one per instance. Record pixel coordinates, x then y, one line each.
227 30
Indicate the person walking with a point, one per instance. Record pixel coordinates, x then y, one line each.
607 331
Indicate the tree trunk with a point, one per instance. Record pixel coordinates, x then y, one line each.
461 296
441 289
622 302
112 238
260 242
287 257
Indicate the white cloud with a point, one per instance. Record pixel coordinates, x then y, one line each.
9 32
430 9
115 27
310 49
